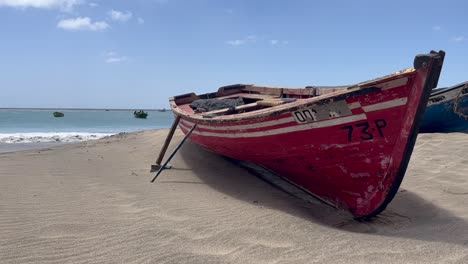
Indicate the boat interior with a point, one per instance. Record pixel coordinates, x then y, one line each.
241 98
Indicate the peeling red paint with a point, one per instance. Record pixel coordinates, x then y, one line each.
353 159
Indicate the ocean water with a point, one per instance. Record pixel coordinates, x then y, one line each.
22 126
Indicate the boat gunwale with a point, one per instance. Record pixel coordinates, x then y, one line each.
448 89
353 90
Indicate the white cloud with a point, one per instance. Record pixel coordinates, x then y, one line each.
65 5
120 16
238 42
112 57
82 23
436 28
458 39
274 42
141 21
93 4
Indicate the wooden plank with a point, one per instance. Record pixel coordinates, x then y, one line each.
238 108
247 95
264 90
307 92
173 153
166 144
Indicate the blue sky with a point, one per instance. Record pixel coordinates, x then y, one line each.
137 53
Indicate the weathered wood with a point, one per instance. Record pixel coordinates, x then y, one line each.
238 108
166 144
248 96
185 98
270 102
276 91
173 153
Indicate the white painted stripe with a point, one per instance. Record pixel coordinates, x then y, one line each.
262 124
249 126
277 131
354 105
385 105
394 83
368 108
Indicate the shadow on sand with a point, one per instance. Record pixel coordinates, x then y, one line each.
408 215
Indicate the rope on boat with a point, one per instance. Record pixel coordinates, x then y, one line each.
457 102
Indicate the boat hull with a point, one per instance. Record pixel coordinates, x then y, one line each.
350 151
447 110
141 115
58 114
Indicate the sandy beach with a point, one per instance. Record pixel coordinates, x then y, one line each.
92 202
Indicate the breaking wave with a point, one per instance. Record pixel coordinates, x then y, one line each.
64 137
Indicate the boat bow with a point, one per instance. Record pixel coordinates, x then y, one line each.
349 146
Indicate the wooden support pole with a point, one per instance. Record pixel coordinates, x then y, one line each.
173 153
166 144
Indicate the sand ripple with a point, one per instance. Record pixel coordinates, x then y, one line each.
93 203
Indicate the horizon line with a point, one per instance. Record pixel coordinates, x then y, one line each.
72 108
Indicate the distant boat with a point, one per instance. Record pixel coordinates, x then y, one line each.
348 147
447 110
140 114
58 114
162 110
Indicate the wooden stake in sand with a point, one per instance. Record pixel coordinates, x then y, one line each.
157 166
173 153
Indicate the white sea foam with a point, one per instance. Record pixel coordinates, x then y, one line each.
65 137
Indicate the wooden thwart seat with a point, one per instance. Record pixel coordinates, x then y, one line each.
270 102
248 96
265 103
225 110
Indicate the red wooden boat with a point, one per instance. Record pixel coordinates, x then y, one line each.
348 146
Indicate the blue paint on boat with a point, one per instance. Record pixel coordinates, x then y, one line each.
447 110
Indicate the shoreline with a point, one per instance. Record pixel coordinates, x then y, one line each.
52 137
24 146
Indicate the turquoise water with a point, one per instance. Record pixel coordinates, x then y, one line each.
28 126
